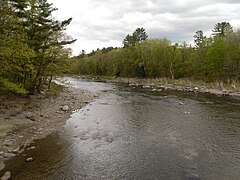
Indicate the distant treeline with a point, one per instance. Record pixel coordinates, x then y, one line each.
215 58
31 45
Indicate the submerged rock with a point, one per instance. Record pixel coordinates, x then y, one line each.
6 176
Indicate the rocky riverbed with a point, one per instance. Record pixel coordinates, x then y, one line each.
160 84
24 120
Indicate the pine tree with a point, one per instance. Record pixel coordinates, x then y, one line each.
44 33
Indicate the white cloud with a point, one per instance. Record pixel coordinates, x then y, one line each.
98 24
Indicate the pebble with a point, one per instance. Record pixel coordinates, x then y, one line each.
65 108
6 176
180 103
1 153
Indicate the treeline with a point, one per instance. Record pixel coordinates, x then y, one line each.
215 58
31 45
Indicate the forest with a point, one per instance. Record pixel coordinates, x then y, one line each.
210 59
31 45
33 52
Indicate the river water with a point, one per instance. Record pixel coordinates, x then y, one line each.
131 133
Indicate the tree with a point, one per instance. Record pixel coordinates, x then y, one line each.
200 39
129 41
138 36
15 53
82 53
44 33
222 29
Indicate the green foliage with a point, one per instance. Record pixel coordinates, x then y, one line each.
138 36
5 85
31 44
212 59
222 29
200 39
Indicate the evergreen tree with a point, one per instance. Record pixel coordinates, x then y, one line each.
222 29
15 53
44 33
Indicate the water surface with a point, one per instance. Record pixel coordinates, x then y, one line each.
136 134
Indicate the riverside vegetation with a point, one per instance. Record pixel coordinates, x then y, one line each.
213 61
31 45
32 53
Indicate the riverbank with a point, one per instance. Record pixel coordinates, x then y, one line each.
186 85
24 120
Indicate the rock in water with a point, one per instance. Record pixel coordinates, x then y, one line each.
6 176
29 159
65 108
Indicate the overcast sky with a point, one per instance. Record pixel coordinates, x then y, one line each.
98 24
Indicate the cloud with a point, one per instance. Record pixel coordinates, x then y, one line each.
98 24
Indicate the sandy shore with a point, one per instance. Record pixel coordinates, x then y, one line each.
22 120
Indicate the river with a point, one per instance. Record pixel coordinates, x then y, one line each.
130 133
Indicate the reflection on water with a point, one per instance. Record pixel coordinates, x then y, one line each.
132 134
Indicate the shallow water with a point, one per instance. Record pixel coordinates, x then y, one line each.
136 134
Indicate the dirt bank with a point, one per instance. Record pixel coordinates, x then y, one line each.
22 120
